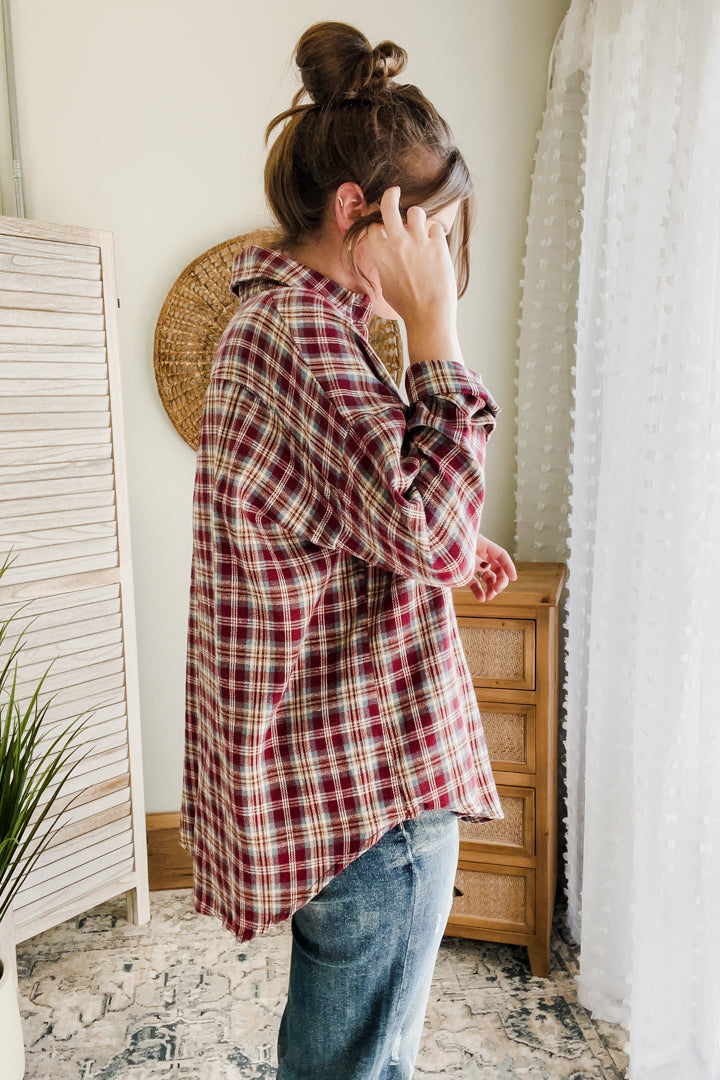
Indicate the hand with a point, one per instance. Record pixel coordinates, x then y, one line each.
417 278
494 569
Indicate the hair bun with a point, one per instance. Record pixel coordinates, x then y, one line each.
337 61
388 61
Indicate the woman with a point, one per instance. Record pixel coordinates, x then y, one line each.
333 738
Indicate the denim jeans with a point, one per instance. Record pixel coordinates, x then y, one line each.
363 955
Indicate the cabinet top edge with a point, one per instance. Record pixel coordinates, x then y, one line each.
539 584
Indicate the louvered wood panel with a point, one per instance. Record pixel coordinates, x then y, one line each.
63 513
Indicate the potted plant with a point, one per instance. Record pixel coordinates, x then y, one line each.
36 759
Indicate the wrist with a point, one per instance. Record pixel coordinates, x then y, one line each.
433 345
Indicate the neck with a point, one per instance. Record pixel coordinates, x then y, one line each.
326 255
332 261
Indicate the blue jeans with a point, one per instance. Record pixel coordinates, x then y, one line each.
363 955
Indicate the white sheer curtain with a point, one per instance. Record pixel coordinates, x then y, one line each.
643 527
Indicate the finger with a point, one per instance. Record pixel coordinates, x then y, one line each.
498 556
490 593
478 590
489 578
376 232
508 566
495 591
501 581
390 209
417 221
435 231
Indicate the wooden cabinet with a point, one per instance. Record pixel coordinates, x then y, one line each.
507 869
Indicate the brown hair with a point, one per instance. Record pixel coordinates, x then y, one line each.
362 126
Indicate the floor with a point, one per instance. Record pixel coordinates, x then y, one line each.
180 998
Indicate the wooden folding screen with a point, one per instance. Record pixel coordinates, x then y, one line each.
64 515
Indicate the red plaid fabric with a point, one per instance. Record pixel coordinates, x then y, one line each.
328 697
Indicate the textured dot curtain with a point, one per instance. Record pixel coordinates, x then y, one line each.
618 466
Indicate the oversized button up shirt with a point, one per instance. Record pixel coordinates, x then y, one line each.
328 697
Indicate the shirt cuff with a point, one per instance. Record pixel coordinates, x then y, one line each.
449 379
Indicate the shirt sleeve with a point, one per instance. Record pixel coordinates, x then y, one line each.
400 487
412 493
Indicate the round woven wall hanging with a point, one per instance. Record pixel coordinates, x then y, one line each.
192 320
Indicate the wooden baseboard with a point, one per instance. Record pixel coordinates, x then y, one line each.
169 865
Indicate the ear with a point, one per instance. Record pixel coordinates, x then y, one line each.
349 205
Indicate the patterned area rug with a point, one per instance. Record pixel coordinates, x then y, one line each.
180 999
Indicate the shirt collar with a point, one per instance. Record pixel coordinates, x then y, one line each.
256 269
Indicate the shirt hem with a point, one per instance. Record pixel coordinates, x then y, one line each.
244 932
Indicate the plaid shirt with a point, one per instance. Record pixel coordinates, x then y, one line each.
328 697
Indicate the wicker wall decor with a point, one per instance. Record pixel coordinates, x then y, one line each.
192 320
386 341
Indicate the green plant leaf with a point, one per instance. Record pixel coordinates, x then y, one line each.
37 759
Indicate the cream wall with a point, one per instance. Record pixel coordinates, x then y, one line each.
146 117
